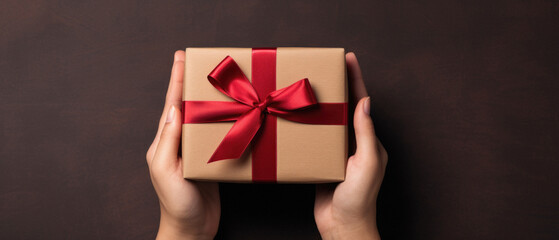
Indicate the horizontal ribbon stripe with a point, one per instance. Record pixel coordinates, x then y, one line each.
223 111
213 111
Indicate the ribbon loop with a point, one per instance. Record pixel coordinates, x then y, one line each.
229 79
296 96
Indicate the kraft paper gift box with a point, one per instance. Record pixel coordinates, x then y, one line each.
224 85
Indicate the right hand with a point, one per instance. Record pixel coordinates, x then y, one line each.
348 210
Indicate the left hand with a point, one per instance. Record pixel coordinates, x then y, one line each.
189 210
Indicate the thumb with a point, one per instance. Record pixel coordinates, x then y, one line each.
168 147
364 129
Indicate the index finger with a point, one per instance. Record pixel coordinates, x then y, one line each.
355 78
174 94
357 91
173 97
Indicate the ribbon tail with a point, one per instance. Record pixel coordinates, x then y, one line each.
239 136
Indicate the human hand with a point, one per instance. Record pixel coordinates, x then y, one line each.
189 210
348 210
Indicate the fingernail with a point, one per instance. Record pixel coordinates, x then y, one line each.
367 106
171 114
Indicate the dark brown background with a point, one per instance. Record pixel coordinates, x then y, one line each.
464 99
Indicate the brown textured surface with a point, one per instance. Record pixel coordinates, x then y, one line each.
464 100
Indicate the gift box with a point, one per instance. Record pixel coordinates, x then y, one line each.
265 115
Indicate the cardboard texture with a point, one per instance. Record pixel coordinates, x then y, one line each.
306 153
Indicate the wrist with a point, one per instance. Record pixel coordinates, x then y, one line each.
170 228
357 230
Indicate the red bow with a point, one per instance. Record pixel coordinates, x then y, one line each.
249 110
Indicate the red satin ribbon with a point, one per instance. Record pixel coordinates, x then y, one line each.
255 110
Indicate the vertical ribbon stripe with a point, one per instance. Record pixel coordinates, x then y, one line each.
264 150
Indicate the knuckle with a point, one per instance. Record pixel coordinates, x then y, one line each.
383 152
384 155
177 63
149 154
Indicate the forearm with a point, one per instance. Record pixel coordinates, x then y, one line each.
368 231
171 229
